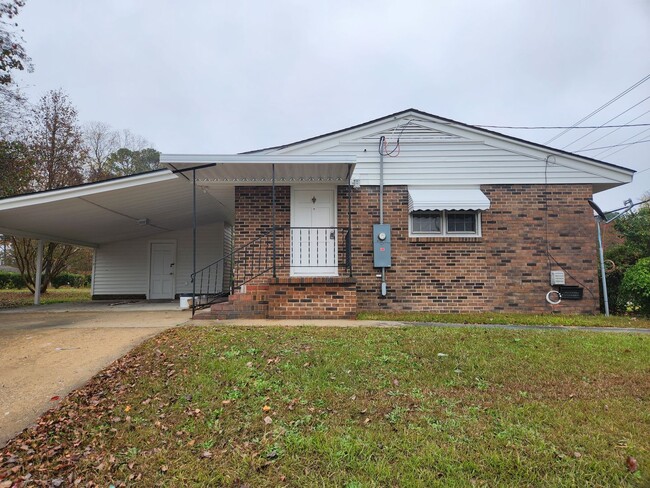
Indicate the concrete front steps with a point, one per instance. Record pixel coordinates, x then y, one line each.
289 298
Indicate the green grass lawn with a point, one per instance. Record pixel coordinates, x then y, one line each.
22 298
354 407
510 319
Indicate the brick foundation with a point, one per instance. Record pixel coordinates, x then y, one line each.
313 298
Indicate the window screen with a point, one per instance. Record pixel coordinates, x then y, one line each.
461 222
426 222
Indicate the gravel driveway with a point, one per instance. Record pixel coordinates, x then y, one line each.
48 351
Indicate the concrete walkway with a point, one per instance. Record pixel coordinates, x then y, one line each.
48 351
388 323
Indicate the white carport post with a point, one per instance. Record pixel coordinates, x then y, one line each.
39 272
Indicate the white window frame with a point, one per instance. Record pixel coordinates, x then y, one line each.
443 225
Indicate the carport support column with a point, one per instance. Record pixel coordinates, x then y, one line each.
193 241
39 273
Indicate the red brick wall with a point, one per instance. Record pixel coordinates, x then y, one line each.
504 270
312 298
253 217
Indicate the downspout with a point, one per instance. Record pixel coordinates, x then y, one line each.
602 267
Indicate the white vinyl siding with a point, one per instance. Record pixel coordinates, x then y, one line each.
450 155
122 268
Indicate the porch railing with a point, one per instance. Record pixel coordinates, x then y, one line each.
302 250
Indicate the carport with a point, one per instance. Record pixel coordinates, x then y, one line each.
122 209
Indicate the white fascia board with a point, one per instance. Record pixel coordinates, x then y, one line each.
177 159
84 190
45 237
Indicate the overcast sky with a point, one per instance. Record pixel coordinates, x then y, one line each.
201 76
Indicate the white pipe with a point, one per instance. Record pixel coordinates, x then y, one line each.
602 268
39 272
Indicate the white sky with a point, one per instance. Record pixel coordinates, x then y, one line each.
202 76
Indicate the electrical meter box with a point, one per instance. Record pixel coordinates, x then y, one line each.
381 240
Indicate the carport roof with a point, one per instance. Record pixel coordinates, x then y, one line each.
120 209
147 204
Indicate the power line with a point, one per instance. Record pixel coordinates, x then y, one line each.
526 127
602 107
614 145
611 132
603 125
638 134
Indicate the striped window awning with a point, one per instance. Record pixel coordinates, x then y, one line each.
447 198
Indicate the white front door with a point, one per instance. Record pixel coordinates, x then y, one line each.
161 270
313 234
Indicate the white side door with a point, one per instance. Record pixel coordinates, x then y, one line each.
313 234
162 266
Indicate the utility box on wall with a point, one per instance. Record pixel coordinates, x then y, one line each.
381 240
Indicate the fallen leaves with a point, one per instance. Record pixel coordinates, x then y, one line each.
268 420
632 464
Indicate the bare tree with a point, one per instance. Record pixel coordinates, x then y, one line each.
55 146
131 141
116 153
55 142
100 141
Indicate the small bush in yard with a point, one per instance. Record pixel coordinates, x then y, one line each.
634 294
71 279
11 281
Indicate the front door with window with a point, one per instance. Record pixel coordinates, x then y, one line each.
161 270
313 232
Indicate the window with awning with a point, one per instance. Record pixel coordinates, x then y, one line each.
446 212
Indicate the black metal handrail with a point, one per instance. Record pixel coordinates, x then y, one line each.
309 247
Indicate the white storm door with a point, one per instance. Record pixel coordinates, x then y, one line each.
313 233
161 270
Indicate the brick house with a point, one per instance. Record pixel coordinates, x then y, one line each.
406 212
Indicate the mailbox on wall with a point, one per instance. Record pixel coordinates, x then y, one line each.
381 239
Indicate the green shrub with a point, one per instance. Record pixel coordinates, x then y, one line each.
71 279
634 292
11 281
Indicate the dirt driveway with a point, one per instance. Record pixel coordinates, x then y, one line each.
47 352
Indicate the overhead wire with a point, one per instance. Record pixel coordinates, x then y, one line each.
614 145
599 109
604 124
615 130
638 134
538 127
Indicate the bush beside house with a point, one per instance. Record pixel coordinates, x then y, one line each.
14 281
